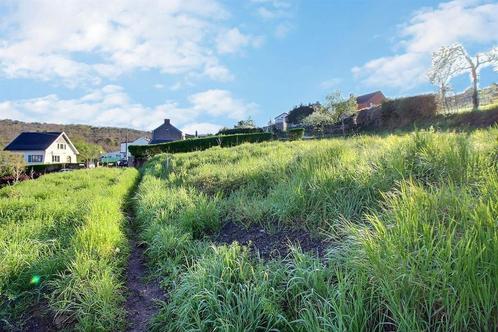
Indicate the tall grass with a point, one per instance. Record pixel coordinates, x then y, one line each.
62 243
412 220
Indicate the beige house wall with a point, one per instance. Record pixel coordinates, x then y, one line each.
66 155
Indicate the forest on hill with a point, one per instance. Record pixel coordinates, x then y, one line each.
107 137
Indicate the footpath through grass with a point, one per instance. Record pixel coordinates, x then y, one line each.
413 221
63 249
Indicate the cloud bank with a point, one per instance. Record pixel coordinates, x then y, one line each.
111 106
83 42
465 21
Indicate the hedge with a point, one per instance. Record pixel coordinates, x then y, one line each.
402 112
49 168
295 133
197 144
240 131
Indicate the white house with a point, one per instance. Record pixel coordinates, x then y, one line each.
281 121
44 148
125 147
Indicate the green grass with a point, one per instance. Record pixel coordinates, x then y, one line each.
62 244
412 218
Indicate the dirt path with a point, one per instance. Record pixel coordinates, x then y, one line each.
141 303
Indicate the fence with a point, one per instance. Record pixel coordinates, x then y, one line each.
462 102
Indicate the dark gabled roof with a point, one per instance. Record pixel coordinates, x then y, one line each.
282 114
167 126
365 98
32 141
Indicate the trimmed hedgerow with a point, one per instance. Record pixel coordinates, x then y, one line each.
401 112
197 144
295 133
234 131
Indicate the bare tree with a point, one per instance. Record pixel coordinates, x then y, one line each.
444 68
453 60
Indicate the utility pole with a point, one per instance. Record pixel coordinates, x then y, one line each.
126 146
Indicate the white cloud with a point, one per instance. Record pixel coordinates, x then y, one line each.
272 9
232 41
221 103
217 72
201 128
79 42
278 13
465 21
111 106
159 86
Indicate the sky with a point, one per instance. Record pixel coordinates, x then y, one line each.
206 64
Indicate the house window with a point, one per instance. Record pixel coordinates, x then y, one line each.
56 159
61 146
35 158
69 159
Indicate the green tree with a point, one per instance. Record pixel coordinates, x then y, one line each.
88 151
319 119
12 164
340 107
249 123
335 109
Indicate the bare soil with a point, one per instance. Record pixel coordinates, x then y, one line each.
142 301
271 245
40 320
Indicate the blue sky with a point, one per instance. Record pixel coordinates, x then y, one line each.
209 63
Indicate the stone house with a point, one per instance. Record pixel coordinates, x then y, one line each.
166 133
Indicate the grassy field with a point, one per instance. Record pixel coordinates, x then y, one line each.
410 221
62 249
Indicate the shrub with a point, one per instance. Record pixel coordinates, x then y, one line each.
295 133
239 131
298 113
11 164
144 151
404 112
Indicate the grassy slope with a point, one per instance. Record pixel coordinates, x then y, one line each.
413 218
67 230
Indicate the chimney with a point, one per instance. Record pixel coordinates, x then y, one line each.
166 121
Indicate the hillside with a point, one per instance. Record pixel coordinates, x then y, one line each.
108 137
388 233
367 233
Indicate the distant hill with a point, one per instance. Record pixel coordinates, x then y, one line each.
108 137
